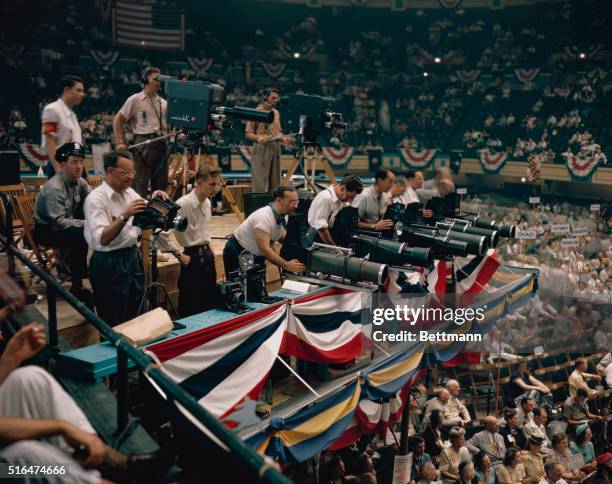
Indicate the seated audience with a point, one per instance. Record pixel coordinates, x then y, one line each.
484 473
511 471
451 457
488 441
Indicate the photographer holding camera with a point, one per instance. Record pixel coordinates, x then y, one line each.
198 278
372 202
115 267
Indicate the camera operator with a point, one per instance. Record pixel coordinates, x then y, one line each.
263 227
115 267
326 205
431 188
145 113
396 193
198 278
59 217
371 203
267 139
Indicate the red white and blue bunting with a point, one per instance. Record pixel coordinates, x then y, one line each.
246 153
417 159
338 157
581 168
526 75
305 51
468 76
11 52
200 64
273 70
492 162
33 155
449 3
104 58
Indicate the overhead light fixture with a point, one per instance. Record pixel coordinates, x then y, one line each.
437 60
582 55
425 74
296 55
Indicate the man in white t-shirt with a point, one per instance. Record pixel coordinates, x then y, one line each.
260 230
59 123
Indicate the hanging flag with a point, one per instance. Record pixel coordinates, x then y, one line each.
581 168
473 274
492 162
468 76
104 58
155 26
200 64
417 159
273 70
246 152
338 157
526 75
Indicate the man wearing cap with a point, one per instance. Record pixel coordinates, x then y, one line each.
451 457
58 213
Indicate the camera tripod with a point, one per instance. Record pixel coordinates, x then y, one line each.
307 156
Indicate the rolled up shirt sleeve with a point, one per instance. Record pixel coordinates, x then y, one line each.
319 213
97 219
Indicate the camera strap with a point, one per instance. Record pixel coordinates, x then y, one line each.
158 114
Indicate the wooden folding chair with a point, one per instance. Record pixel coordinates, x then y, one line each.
12 191
95 181
47 257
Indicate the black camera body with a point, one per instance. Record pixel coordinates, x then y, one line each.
311 115
232 294
160 214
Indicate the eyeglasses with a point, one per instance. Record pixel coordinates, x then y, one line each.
125 172
293 202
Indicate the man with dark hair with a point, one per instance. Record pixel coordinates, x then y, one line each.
260 230
576 409
326 205
145 113
267 139
371 202
115 267
197 283
59 217
59 123
415 182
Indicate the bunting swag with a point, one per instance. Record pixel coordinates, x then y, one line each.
200 64
526 75
11 52
338 157
417 159
103 58
33 155
581 168
436 279
468 76
492 163
474 274
305 51
246 152
273 70
449 3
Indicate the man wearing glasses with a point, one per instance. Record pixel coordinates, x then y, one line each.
260 230
115 267
58 214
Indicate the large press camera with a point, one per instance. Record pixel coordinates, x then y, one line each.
160 214
311 115
198 105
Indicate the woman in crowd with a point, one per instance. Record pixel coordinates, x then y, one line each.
583 445
512 434
466 473
484 473
532 460
561 454
511 471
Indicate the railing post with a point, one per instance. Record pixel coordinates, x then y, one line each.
122 391
52 316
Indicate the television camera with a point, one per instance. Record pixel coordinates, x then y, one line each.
162 215
311 115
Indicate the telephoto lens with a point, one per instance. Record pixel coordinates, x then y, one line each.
391 252
477 244
492 234
346 266
441 245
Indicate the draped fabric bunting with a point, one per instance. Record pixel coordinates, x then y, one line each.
417 159
436 279
571 53
105 58
33 155
474 274
526 75
581 168
338 157
246 152
11 52
222 364
273 70
468 76
449 3
305 51
492 162
200 64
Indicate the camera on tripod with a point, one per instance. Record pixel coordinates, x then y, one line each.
199 105
311 116
160 214
232 293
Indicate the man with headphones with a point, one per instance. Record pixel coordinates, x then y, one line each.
267 139
59 217
145 113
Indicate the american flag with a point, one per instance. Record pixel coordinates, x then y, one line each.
151 25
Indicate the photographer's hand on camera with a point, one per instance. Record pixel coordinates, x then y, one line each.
160 194
134 207
295 266
383 224
427 213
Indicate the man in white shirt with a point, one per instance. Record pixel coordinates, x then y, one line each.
535 429
415 181
259 231
326 205
397 191
115 268
457 411
197 283
59 123
145 113
371 203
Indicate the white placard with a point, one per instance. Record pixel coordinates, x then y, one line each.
534 200
538 350
461 191
526 234
296 286
570 242
560 228
595 207
401 469
577 231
